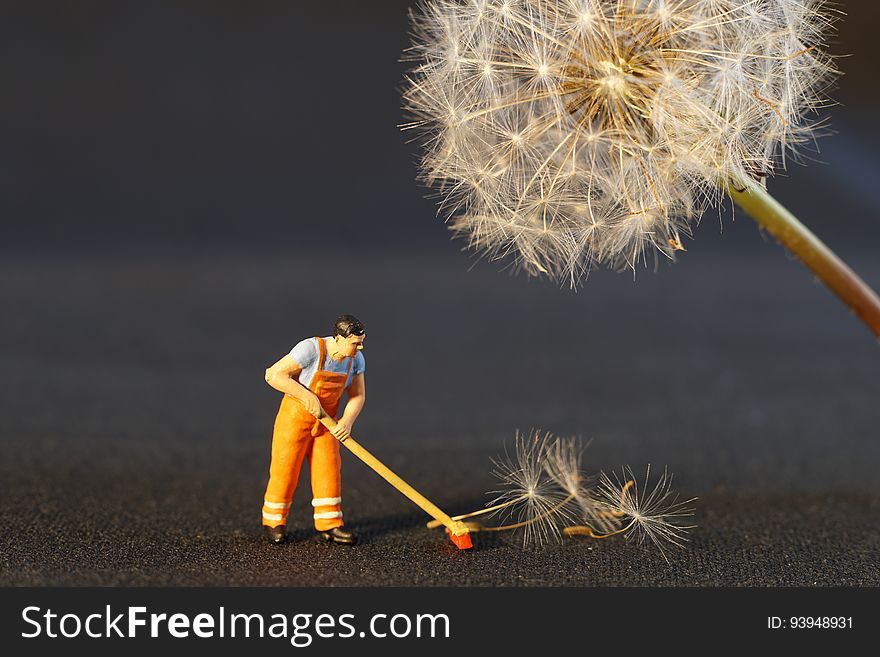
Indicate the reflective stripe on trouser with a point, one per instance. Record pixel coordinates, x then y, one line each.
275 513
327 509
292 442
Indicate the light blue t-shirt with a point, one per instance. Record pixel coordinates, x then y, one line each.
306 355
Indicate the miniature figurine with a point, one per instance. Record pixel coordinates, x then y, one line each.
314 375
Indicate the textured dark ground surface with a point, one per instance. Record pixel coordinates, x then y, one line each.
136 425
169 172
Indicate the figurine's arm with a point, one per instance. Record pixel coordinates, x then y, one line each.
282 376
357 395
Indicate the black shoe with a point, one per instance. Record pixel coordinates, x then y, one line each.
275 535
339 535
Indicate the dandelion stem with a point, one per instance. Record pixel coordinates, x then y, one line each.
476 527
548 512
586 530
785 227
433 524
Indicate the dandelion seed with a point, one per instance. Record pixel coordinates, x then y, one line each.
562 463
530 499
654 512
546 495
647 111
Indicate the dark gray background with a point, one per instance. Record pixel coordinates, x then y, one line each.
190 188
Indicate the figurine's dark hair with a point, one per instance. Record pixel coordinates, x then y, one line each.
348 325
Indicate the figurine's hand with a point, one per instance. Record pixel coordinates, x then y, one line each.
341 430
312 403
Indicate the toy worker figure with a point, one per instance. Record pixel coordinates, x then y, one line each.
314 374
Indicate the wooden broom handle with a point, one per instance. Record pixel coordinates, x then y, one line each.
455 527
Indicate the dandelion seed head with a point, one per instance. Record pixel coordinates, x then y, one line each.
639 110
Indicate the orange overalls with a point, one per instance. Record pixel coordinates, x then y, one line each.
297 435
